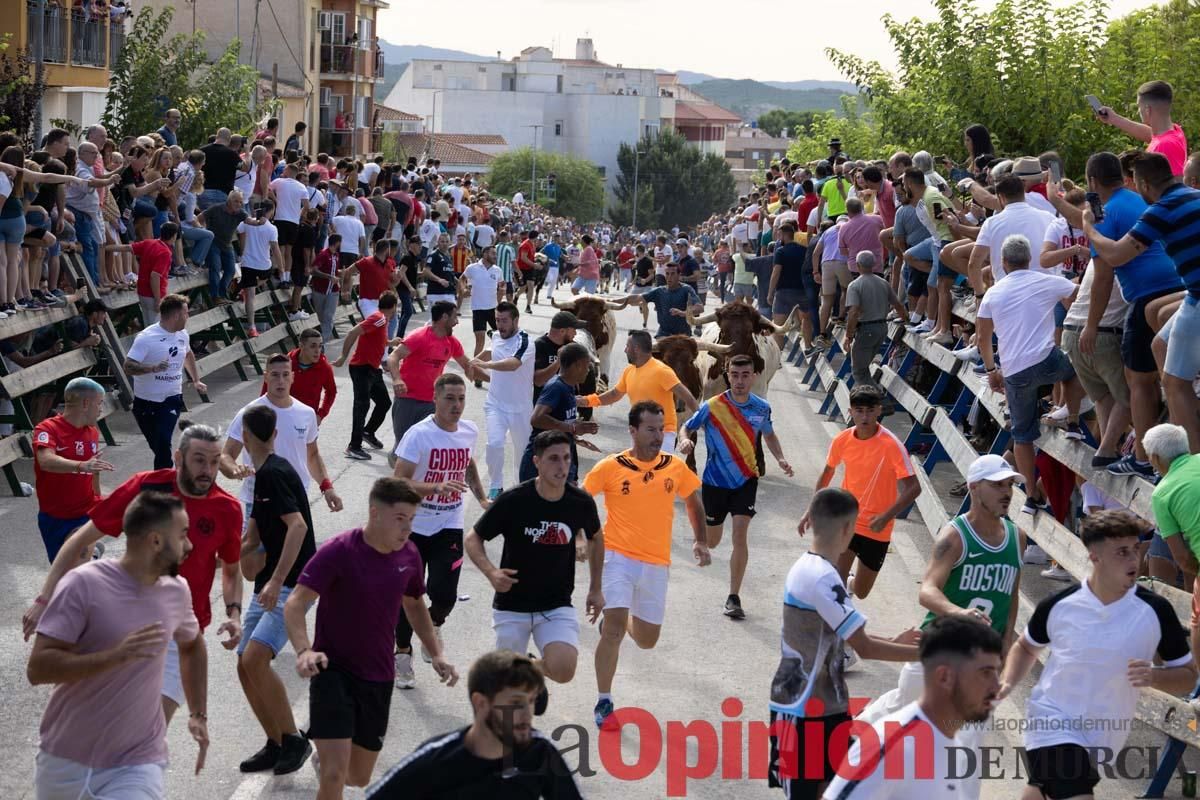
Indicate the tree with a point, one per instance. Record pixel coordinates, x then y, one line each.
578 187
859 134
219 97
687 186
796 123
20 90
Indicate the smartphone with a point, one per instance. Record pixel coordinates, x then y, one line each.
1093 200
1094 102
1056 172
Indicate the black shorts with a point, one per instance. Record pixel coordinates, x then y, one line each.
802 786
720 503
660 280
252 277
1136 354
299 275
871 552
483 318
342 706
1062 770
288 232
346 259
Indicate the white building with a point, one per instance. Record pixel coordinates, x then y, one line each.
579 106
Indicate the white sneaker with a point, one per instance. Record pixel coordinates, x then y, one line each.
426 656
1057 573
1035 556
967 353
1059 414
405 679
297 316
914 318
849 659
925 327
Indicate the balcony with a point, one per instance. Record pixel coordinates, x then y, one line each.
73 38
348 143
345 59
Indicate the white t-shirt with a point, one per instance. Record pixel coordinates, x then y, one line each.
439 456
295 429
351 230
244 181
6 186
429 233
1094 498
1114 315
1060 235
882 783
369 172
456 192
153 346
485 235
749 213
518 199
1022 308
1039 202
662 256
509 391
316 198
290 195
257 253
1016 218
483 280
739 233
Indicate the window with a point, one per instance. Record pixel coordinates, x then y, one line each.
560 84
437 67
323 22
508 83
755 155
332 26
362 113
558 127
326 95
365 33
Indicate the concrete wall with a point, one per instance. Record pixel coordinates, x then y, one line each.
82 105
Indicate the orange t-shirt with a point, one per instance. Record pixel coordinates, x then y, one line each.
654 380
873 466
639 502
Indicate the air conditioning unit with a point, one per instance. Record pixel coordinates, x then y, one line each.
324 21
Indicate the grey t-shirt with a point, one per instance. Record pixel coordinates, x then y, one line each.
908 226
873 295
223 223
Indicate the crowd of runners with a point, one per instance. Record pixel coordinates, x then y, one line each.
122 639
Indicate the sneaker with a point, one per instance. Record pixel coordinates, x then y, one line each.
297 316
1056 573
1034 506
979 369
59 293
529 310
733 607
372 440
252 332
405 678
943 339
959 489
914 318
1102 462
1073 431
358 454
294 752
602 712
849 659
1129 465
427 656
494 493
925 326
967 353
3 313
97 551
1035 555
263 760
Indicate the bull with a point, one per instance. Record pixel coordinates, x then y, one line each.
598 334
737 329
681 353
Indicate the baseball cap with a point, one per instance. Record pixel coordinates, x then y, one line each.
564 319
991 467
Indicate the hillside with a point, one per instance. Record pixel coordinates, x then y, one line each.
751 99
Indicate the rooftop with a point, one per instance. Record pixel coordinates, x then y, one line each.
436 145
389 114
690 111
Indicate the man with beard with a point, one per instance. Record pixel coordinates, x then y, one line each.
975 574
961 660
214 529
104 636
500 756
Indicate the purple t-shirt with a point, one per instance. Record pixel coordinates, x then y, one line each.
114 718
861 233
362 594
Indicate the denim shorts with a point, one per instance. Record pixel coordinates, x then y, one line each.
12 230
1137 336
1060 315
743 291
1021 390
143 208
787 299
586 284
1160 549
265 627
1181 333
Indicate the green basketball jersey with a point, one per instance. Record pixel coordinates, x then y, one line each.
984 576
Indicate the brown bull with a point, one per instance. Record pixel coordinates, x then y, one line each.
599 325
679 353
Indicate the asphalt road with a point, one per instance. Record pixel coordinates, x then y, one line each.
702 659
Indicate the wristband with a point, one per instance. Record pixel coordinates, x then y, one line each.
303 651
200 715
39 601
326 485
230 606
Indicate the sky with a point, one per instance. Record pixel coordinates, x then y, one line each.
710 36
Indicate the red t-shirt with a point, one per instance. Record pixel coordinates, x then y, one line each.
372 342
625 258
374 278
154 258
325 261
314 385
805 208
427 357
214 528
65 495
526 251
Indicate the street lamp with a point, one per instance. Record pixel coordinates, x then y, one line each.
533 171
636 156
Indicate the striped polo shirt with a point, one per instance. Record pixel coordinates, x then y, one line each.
1175 221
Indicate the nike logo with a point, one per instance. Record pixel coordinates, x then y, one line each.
60 449
401 569
974 555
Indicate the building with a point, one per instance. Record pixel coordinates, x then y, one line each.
77 50
753 148
456 158
701 121
393 120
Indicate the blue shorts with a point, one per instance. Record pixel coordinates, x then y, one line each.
1021 390
586 284
55 531
1160 549
12 230
788 299
265 627
1181 333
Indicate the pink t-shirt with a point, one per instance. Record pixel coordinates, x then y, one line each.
1173 145
858 234
589 264
113 719
885 202
427 357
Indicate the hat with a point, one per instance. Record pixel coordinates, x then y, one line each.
991 467
564 319
835 142
1027 167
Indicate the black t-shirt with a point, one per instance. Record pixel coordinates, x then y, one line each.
129 180
442 768
441 266
278 492
644 270
539 542
411 266
220 165
790 257
545 353
688 266
559 397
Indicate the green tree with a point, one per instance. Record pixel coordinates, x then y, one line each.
796 123
220 96
578 187
860 136
20 90
687 186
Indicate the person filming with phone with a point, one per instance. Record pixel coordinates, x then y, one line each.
1154 107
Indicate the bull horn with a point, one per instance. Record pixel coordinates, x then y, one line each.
790 324
567 307
714 347
704 319
617 305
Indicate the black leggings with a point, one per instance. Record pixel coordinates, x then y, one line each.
368 386
443 556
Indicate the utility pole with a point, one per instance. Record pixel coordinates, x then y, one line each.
637 153
39 54
533 172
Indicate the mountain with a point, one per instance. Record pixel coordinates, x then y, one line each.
845 87
751 99
403 53
687 78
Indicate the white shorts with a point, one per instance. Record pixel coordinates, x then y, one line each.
367 307
172 677
513 628
668 445
430 299
636 585
62 779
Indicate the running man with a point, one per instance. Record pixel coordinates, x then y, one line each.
732 422
436 460
508 368
808 693
501 756
556 410
365 345
1103 635
639 487
279 541
104 636
539 520
367 579
526 273
879 473
647 378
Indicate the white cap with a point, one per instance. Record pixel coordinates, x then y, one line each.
990 468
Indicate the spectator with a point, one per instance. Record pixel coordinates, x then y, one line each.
294 144
786 290
170 127
221 163
867 299
1176 502
154 263
860 233
1164 136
